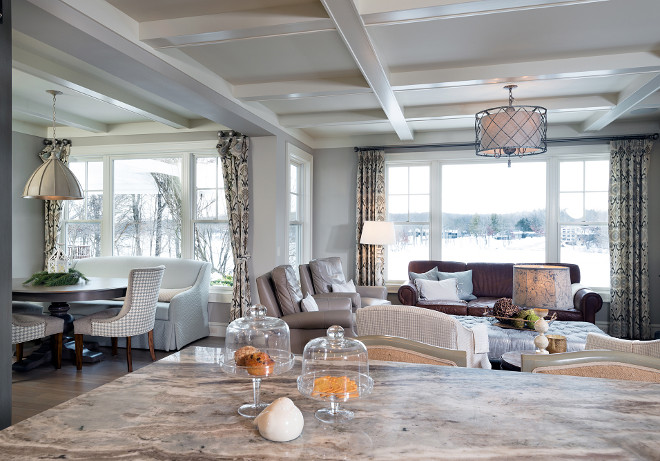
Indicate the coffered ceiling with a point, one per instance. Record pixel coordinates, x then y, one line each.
336 71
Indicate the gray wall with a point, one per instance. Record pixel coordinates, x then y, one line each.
27 214
335 172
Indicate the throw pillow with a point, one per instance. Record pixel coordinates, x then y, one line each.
445 290
308 304
325 272
348 287
463 281
165 295
428 275
287 289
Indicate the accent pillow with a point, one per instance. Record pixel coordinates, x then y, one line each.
463 281
348 287
287 289
308 304
429 275
325 272
445 290
165 295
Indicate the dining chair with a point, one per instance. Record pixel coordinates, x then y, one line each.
28 327
395 349
598 341
595 364
137 316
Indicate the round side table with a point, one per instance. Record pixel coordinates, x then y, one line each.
512 361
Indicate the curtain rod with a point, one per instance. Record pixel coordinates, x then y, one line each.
653 136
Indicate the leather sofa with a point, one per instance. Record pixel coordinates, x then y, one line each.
179 321
492 281
304 326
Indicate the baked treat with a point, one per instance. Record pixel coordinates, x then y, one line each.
243 353
340 386
259 364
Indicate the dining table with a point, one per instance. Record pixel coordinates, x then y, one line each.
185 407
59 298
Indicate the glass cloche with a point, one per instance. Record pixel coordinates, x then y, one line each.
335 369
257 346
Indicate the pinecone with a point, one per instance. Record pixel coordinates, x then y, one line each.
504 307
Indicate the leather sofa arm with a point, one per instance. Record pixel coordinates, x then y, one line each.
333 304
355 297
320 319
372 292
586 301
408 295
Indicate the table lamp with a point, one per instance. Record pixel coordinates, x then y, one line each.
542 287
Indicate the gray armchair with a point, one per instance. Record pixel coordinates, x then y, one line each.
314 278
279 291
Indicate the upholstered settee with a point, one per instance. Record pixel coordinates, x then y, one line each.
492 281
182 310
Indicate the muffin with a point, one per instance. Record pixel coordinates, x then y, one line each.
242 354
259 364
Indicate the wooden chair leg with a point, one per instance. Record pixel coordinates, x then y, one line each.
129 359
19 352
79 348
151 345
114 346
57 350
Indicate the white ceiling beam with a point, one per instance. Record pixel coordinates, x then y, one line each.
642 88
445 111
352 31
42 112
296 89
378 12
235 25
93 87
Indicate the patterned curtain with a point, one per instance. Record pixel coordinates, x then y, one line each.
370 201
233 150
53 208
628 232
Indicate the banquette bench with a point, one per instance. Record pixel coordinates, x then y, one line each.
492 281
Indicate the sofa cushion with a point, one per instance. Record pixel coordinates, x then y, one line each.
325 272
492 279
438 290
287 289
428 275
165 295
463 282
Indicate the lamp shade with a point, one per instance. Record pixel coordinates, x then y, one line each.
53 181
542 286
377 233
512 131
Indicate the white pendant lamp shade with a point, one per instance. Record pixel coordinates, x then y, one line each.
53 181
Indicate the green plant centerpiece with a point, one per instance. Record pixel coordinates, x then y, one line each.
509 314
55 279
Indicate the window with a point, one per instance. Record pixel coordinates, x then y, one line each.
82 218
299 186
408 206
583 189
147 201
210 225
501 219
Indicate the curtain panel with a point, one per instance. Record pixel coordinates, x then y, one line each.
53 208
233 150
628 239
370 206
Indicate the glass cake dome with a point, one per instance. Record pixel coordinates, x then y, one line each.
257 346
335 369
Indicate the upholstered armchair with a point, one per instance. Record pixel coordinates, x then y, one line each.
318 276
428 327
279 291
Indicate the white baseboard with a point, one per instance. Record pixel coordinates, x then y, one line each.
218 329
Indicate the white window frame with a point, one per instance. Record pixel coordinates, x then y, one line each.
551 158
304 160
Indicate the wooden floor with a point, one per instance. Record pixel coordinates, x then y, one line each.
45 387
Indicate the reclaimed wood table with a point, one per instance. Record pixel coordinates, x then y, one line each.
185 407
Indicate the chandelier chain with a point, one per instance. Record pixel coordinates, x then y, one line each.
54 96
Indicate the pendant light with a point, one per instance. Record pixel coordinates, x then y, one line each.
511 130
53 180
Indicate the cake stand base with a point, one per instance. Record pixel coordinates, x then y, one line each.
251 410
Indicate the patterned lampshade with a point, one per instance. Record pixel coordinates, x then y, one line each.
542 286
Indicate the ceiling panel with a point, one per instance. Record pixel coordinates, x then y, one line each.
343 103
312 55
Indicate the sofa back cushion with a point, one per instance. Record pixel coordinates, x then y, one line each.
325 272
287 289
492 279
179 273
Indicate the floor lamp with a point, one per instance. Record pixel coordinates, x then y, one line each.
378 233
